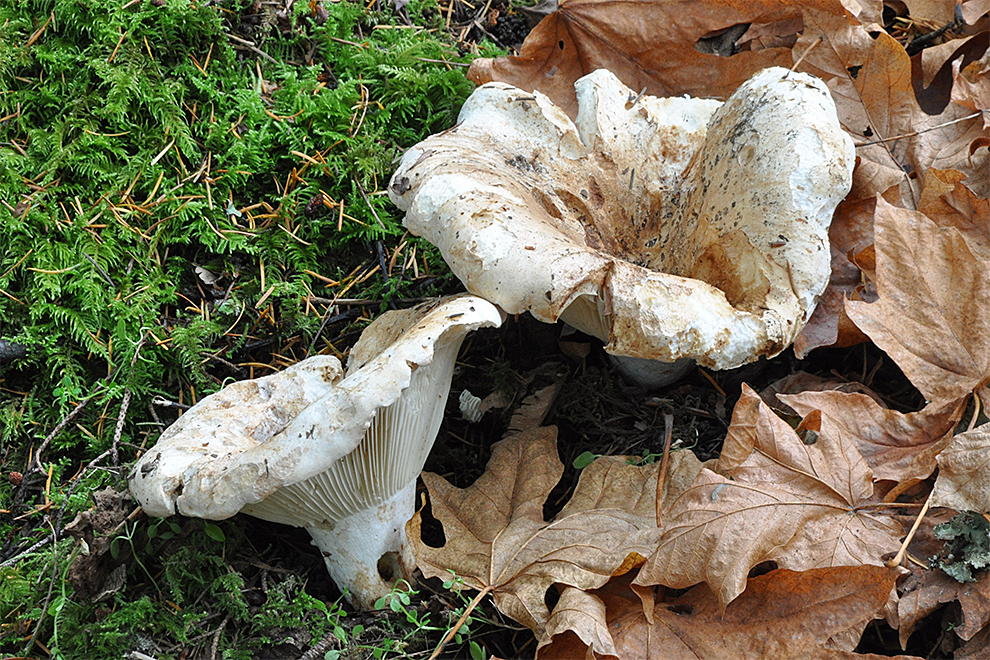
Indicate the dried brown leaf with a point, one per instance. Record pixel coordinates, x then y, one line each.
963 481
582 614
977 648
782 615
971 85
897 446
647 43
938 11
802 381
497 539
949 203
933 313
871 82
800 505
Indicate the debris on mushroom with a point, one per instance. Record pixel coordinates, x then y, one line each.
672 229
470 407
312 447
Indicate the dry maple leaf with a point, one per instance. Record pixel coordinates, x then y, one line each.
782 615
800 505
498 541
850 233
871 82
949 203
897 446
647 44
963 481
583 615
932 316
971 86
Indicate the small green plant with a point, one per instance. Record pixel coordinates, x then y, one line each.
967 546
415 622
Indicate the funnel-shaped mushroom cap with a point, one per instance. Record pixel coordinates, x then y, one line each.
307 447
669 228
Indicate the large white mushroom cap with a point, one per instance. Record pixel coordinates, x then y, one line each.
314 448
669 228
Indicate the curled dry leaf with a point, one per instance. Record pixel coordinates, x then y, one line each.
971 85
802 504
963 481
933 313
850 233
897 446
583 615
820 613
802 381
498 541
871 82
949 203
584 35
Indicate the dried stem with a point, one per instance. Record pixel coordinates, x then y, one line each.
668 433
899 557
460 622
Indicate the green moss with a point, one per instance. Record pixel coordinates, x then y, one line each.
178 183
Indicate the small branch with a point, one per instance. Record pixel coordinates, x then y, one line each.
368 202
119 429
814 43
924 130
668 433
16 558
48 598
460 622
35 465
899 557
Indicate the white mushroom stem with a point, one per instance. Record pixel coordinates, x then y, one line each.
357 509
368 550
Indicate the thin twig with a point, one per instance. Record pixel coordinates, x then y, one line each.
119 429
165 403
249 45
899 557
36 466
924 130
814 43
668 433
124 405
216 638
368 202
48 598
98 267
16 558
426 59
460 622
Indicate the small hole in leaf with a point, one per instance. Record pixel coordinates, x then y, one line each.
551 597
762 569
560 44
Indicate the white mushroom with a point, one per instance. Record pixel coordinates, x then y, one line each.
338 455
670 228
